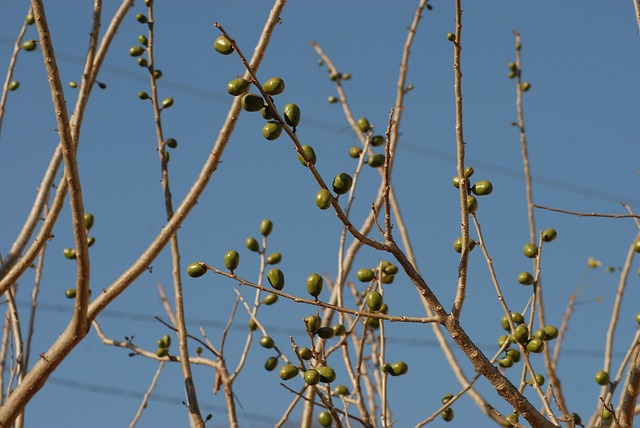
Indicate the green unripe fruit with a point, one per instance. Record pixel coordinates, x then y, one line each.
252 244
539 380
636 247
270 299
171 142
525 86
391 269
517 317
13 85
472 204
323 199
288 372
136 51
325 333
521 334
606 415
482 188
376 160
274 258
525 278
253 326
446 398
577 420
305 353
199 350
365 275
70 293
447 414
232 260
384 309
29 45
530 250
90 241
386 368
549 235
312 323
374 323
166 339
342 183
252 102
314 284
141 18
377 141
511 417
602 378
276 278
69 253
638 317
237 86
142 62
272 130
339 330
340 390
266 342
457 245
355 152
512 66
514 354
399 368
363 125
162 352
374 300
551 331
291 114
503 339
535 345
167 102
505 362
312 377
346 76
540 334
271 364
309 153
143 40
468 171
327 375
265 112
265 227
273 86
451 37
143 95
223 45
73 84
332 100
324 419
88 220
30 19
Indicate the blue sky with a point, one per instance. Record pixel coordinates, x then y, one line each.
581 116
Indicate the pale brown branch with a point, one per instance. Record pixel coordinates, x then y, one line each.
147 395
582 214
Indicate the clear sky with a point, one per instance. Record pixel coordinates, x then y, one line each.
582 125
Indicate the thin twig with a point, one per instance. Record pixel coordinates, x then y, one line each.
582 214
147 395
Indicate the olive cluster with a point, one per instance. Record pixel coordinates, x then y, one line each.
480 188
533 343
163 346
375 160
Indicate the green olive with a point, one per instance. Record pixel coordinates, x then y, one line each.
332 100
312 323
451 37
142 62
30 19
377 141
535 345
270 299
265 112
517 317
141 18
143 40
253 326
339 330
374 300
88 220
503 339
276 278
376 160
355 152
324 419
312 377
391 269
341 390
577 420
384 309
551 331
525 86
530 250
266 342
271 364
323 199
325 333
274 258
606 415
399 368
143 95
223 45
166 339
288 372
365 275
387 279
314 284
446 398
73 84
13 85
309 153
539 380
549 235
291 114
232 260
482 188
136 51
602 378
514 354
457 245
521 334
69 253
90 241
272 130
162 352
252 244
638 318
252 102
265 227
540 334
70 293
525 278
511 417
171 142
363 125
505 362
447 414
472 203
29 45
636 247
468 171
327 375
386 368
374 323
305 353
342 183
237 86
273 86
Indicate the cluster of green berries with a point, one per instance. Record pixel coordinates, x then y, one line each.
70 253
163 346
533 343
480 188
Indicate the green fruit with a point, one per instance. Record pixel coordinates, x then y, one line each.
517 317
535 345
265 112
166 340
272 130
525 86
377 141
276 278
540 334
457 245
88 220
446 398
69 253
232 260
142 62
325 333
29 45
291 114
266 342
13 85
638 317
273 86
265 227
252 102
305 353
30 19
136 51
391 269
376 160
521 334
271 364
447 414
355 152
70 293
270 299
309 153
73 84
399 368
171 142
327 375
274 258
549 235
472 203
288 372
141 18
606 415
451 37
252 244
332 100
223 45
525 278
505 362
323 199
511 417
143 95
339 330
530 250
341 390
342 183
374 300
482 188
551 331
253 326
143 40
90 241
314 284
374 323
365 275
384 309
503 339
602 378
237 86
312 377
636 247
386 368
539 380
514 354
468 171
346 76
199 350
312 323
577 420
162 352
324 419
363 125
